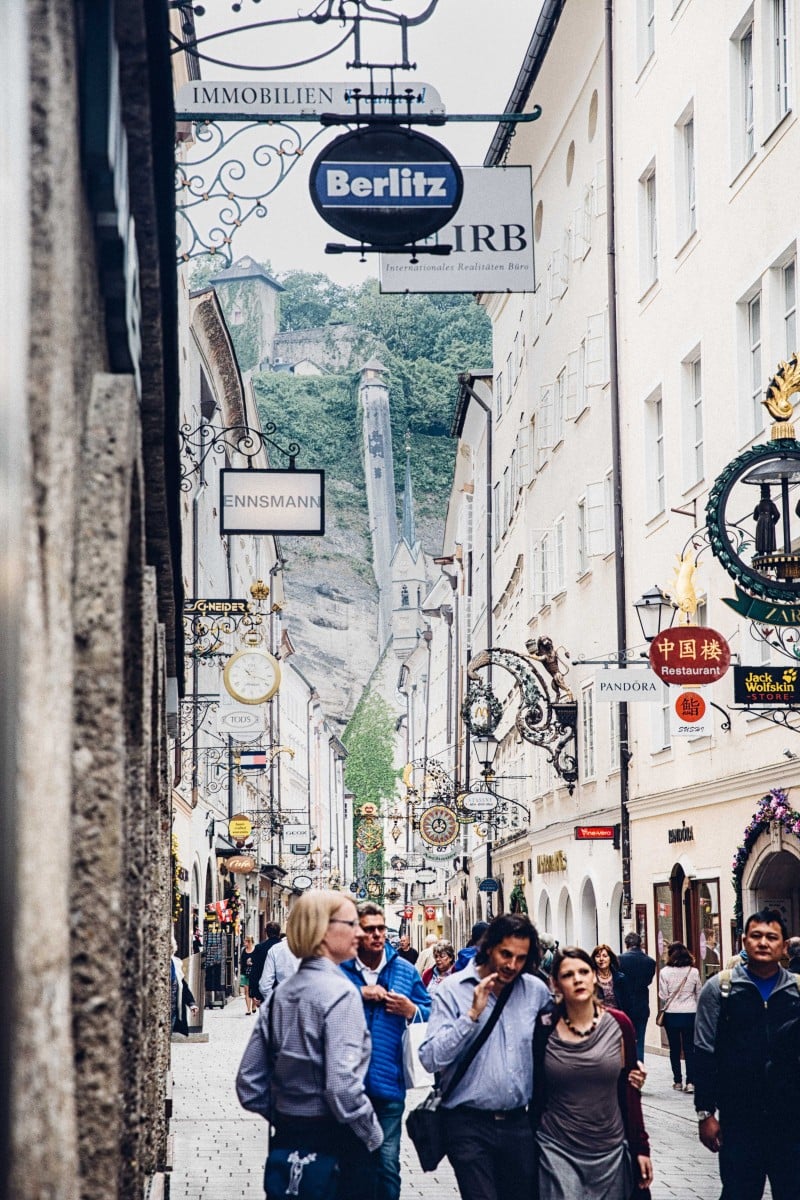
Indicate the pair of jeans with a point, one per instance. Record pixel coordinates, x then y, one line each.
752 1154
492 1159
679 1028
390 1118
640 1025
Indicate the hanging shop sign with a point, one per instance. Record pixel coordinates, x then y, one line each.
619 684
426 875
251 760
488 885
297 835
301 883
204 100
272 501
241 723
595 833
690 654
206 607
430 912
764 612
407 912
690 713
386 186
545 863
441 853
766 685
239 828
241 864
438 825
491 236
478 801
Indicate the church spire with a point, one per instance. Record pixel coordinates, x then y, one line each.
409 531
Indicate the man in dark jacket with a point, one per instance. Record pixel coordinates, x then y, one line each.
471 949
394 996
747 1066
259 957
638 969
793 950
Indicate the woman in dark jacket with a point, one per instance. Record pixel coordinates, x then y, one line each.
610 980
591 1139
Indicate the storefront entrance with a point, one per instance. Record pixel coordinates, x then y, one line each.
774 882
687 910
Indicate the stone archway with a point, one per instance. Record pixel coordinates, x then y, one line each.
588 926
772 876
566 920
545 921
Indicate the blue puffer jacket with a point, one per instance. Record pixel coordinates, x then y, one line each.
385 1079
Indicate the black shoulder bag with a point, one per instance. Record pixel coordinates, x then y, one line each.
424 1123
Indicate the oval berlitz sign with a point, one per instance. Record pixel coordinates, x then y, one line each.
386 187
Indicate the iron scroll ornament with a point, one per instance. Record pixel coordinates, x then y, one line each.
550 725
728 539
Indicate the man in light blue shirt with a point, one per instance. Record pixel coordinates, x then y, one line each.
489 1140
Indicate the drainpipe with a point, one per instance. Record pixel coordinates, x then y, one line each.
616 455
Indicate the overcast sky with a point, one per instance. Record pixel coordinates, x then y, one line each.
469 50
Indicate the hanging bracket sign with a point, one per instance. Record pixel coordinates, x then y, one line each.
690 654
287 503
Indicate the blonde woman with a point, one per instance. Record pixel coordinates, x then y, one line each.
305 1064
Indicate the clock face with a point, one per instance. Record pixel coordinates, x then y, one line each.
252 676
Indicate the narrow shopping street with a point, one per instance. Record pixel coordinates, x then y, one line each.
219 1149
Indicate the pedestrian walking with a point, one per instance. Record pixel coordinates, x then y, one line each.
393 996
610 980
305 1064
488 1136
245 964
638 969
425 959
406 950
279 964
182 1002
793 950
747 1073
470 950
591 1139
444 957
678 990
273 932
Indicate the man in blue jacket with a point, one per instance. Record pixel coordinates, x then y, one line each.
393 995
638 969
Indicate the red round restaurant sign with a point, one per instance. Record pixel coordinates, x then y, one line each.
690 654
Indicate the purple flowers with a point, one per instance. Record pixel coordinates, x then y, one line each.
772 807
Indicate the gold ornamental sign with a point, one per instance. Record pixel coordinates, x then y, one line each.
239 828
241 864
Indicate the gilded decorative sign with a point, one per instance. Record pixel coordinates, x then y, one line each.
438 825
546 863
241 864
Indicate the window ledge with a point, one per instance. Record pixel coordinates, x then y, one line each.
686 247
662 755
581 412
651 289
742 172
584 575
656 521
557 597
778 128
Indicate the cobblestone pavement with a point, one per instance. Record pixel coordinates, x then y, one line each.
219 1149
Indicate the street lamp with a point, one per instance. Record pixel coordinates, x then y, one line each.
652 609
485 747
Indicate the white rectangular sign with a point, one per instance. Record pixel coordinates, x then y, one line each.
619 683
203 99
691 714
491 235
297 835
283 502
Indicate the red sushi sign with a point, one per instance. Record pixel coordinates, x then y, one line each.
690 654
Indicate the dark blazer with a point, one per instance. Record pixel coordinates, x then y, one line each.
257 960
638 969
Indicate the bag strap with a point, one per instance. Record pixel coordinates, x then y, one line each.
465 1062
271 1055
669 999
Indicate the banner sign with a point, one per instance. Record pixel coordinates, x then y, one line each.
765 612
594 833
690 654
618 684
690 713
206 99
251 760
386 186
289 503
491 236
766 685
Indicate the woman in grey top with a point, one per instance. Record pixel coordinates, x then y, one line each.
309 1080
591 1140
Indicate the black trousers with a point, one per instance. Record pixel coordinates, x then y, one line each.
492 1159
752 1153
358 1167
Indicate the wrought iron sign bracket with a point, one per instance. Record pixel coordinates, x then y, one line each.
783 718
197 444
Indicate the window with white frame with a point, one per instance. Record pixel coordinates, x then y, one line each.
655 459
689 189
746 97
559 560
516 356
780 61
754 380
559 406
498 394
693 421
582 542
649 227
497 515
646 31
660 711
507 503
613 736
595 370
789 281
510 373
544 425
587 732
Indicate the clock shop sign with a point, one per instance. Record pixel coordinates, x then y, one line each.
288 503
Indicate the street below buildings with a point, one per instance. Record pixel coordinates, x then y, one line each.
219 1149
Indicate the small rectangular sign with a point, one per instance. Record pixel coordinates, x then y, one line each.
204 99
766 685
594 833
491 235
618 684
291 503
296 835
690 712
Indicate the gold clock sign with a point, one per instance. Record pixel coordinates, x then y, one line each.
438 825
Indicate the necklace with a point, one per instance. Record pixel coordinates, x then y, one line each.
584 1033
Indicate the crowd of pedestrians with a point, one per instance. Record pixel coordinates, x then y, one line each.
537 1051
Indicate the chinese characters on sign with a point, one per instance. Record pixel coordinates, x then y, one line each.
690 714
690 655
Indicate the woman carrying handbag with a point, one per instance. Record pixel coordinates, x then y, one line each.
678 990
306 1061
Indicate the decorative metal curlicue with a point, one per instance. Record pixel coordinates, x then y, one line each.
548 724
197 444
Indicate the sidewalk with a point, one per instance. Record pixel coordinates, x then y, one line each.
219 1149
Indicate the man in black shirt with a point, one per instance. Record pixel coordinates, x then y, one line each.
273 932
406 950
638 969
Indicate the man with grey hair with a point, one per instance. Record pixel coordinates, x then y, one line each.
793 950
638 969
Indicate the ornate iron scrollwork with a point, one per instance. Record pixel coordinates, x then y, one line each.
197 444
550 725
